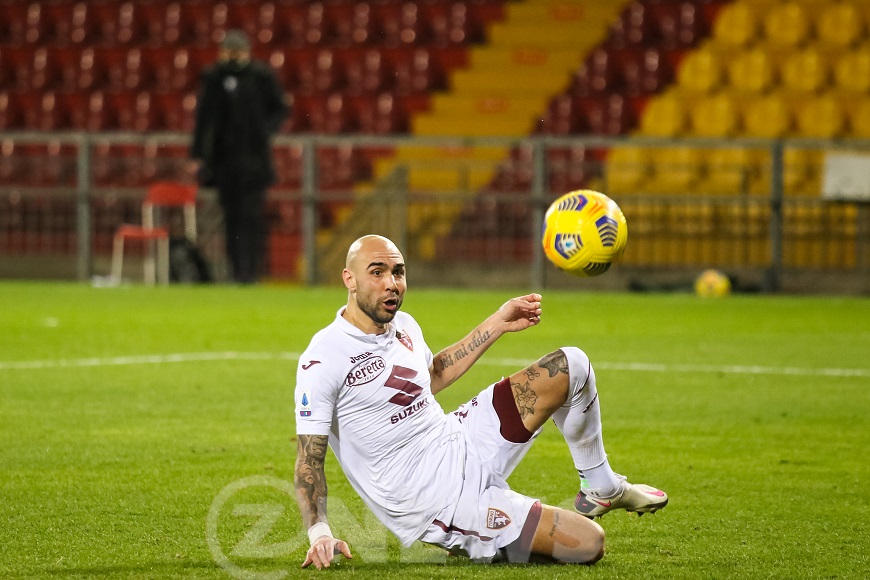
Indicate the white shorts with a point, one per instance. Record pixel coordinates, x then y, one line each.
488 515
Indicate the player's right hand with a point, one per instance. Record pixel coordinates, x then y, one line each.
323 550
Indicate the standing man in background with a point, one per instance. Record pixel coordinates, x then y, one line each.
240 107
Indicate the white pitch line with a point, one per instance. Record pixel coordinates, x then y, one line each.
292 356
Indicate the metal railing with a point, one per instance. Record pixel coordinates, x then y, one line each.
449 205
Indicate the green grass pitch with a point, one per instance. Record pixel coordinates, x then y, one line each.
148 433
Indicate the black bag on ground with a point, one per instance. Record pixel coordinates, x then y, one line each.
187 265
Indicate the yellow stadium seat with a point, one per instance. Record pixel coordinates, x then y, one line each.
787 25
821 117
737 25
751 71
664 116
801 172
715 116
805 72
859 125
767 116
700 71
852 72
840 25
676 170
729 171
627 169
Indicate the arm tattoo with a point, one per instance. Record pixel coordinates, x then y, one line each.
525 398
555 362
555 524
310 479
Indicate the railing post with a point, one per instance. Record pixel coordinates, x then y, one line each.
539 187
309 210
83 209
774 271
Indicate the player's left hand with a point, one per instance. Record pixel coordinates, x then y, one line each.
521 312
323 550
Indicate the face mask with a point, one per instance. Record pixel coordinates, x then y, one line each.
234 65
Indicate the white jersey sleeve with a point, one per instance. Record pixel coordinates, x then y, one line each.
317 387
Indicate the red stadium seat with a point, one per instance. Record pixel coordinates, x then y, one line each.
321 74
645 71
355 24
597 75
88 111
400 23
332 115
178 110
678 24
633 27
42 112
383 115
10 111
416 70
136 111
561 117
368 72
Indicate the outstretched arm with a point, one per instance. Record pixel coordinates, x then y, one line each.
454 361
310 480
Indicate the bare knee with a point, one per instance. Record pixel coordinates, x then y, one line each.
568 537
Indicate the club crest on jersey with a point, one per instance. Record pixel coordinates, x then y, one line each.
497 519
365 371
304 407
405 339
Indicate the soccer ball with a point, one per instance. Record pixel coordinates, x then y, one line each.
712 284
584 232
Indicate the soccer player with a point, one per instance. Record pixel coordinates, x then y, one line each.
365 386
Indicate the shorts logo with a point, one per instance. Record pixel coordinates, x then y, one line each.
497 519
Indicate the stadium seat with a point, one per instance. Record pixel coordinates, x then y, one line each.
382 115
416 70
632 28
664 116
787 25
805 72
10 111
400 23
701 71
751 71
840 25
570 168
678 24
36 29
737 25
645 71
728 171
597 75
561 117
676 170
852 72
321 74
177 110
767 116
859 120
715 116
628 168
332 116
135 111
821 117
43 112
367 72
88 111
351 23
159 195
607 115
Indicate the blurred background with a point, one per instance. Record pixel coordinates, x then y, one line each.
734 135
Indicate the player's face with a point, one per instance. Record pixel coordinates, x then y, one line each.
380 284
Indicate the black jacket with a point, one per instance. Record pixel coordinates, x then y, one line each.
238 111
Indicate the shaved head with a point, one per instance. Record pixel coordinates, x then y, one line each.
367 245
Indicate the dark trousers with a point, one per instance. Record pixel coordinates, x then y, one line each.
245 230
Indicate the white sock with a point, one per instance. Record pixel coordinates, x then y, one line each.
579 420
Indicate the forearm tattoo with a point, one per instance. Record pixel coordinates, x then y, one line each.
556 362
310 478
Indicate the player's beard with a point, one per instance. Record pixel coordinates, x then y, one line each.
373 309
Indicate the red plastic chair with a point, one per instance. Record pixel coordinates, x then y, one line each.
160 194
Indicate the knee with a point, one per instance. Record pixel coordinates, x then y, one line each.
596 547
